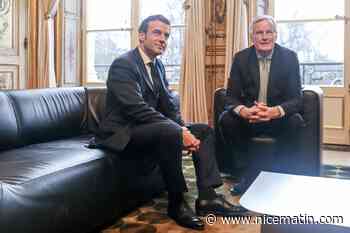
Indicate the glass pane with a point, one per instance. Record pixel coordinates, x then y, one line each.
6 24
173 74
102 14
173 53
310 9
320 48
102 49
172 9
322 74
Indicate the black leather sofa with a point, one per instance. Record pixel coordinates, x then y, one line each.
309 159
49 180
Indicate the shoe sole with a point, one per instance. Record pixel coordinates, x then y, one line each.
218 214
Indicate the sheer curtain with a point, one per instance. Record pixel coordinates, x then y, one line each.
236 31
192 81
42 43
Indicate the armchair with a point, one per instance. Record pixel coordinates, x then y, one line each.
309 158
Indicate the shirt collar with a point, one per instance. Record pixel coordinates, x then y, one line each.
260 57
145 58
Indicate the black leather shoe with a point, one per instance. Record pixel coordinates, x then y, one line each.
236 190
184 216
218 206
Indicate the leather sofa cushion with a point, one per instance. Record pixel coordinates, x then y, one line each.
28 163
8 124
48 114
60 186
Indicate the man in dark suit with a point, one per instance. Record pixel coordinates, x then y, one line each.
263 96
141 114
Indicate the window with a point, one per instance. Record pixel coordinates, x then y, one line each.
111 27
315 30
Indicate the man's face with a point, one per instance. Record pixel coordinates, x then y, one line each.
154 42
264 37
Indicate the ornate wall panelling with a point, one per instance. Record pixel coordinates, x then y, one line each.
215 49
71 47
8 77
12 52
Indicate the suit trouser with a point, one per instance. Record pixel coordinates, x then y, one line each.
164 141
237 132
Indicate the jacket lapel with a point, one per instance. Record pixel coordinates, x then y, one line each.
143 70
254 71
160 72
273 70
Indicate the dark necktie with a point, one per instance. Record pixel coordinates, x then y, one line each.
155 77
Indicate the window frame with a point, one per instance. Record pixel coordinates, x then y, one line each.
135 16
312 20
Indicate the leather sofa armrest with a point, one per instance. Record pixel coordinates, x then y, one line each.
312 135
312 104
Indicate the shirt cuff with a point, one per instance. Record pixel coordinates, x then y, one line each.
282 112
238 109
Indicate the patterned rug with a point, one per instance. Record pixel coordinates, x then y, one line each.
152 217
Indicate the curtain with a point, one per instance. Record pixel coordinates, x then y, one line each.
33 41
252 12
192 81
270 5
236 31
42 43
47 77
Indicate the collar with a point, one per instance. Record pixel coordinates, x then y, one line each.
260 57
146 60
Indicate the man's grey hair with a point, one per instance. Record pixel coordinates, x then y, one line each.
260 18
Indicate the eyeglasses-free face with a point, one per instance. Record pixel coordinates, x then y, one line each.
155 40
264 37
261 34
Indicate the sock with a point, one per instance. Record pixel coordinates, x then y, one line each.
207 193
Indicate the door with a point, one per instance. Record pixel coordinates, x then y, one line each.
12 44
317 31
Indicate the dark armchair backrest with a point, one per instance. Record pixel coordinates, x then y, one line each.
312 133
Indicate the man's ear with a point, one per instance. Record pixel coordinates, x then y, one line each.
142 36
275 36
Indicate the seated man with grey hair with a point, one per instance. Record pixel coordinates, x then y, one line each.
264 97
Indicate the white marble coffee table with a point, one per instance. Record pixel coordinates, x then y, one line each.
299 198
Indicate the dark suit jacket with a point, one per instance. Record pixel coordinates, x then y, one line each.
131 100
284 87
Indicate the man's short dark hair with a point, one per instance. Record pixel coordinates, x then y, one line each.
144 25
